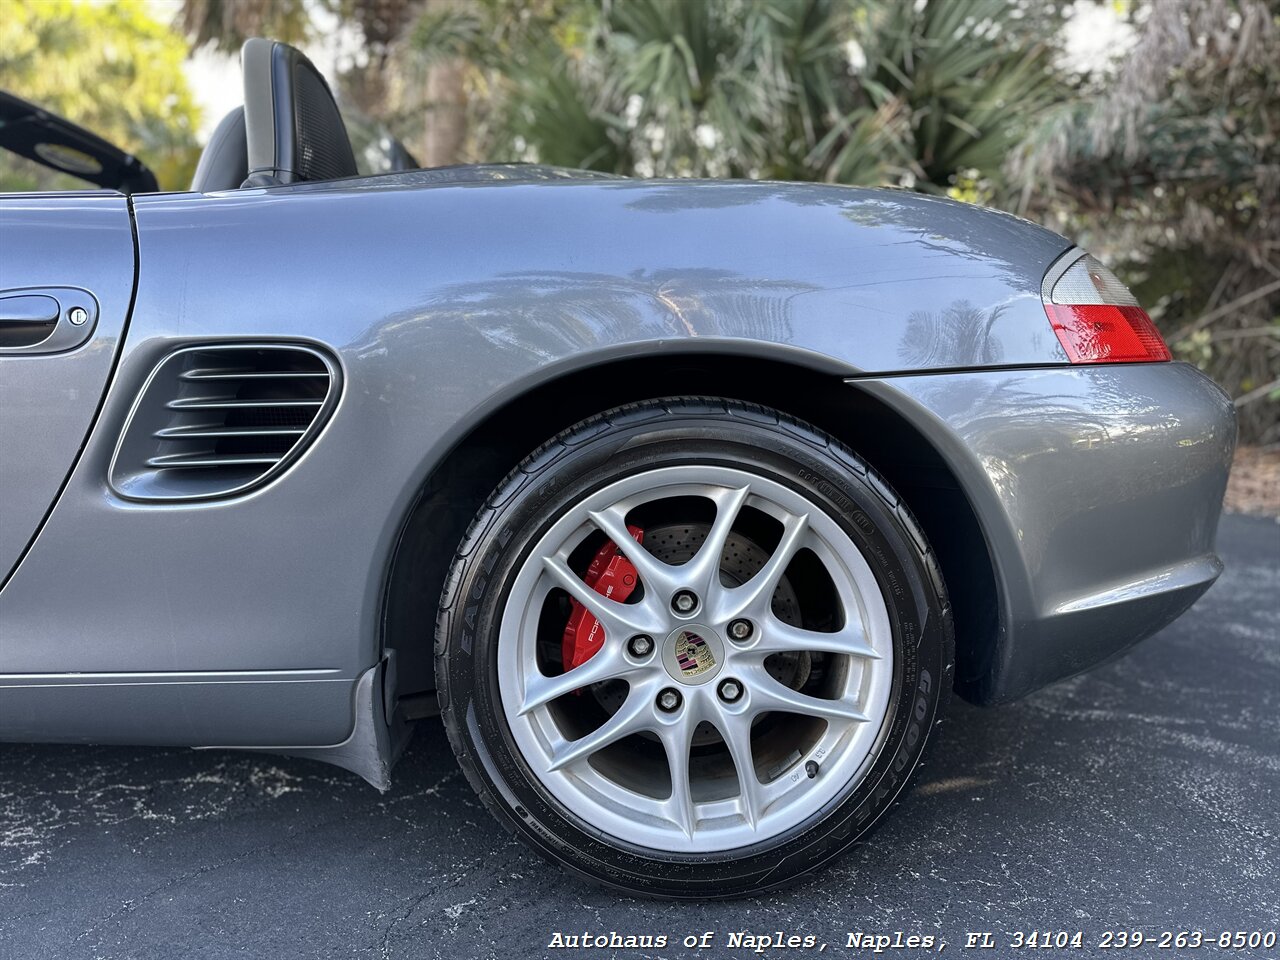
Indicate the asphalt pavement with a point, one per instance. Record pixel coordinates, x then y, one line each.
1142 796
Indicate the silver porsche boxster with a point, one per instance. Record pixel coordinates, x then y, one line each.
685 505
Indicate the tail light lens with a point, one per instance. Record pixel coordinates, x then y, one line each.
1097 319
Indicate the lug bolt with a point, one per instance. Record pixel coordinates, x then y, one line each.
669 700
730 691
685 601
740 629
640 646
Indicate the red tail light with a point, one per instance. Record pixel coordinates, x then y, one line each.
1100 333
1097 319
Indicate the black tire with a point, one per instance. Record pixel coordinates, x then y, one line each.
591 455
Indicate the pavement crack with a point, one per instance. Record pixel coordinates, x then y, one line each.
384 942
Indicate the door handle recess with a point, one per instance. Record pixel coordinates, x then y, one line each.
27 320
46 320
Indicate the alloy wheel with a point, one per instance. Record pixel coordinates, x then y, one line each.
738 690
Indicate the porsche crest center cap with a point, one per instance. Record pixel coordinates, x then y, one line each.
693 654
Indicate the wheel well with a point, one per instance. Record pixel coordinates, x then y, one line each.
459 485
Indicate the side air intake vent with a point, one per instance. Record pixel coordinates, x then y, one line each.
214 421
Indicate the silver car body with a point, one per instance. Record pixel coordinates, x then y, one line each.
480 309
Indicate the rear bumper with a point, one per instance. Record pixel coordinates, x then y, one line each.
1098 490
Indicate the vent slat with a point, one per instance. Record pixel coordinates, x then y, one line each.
204 403
215 374
195 433
181 461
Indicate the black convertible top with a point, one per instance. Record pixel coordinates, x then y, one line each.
49 140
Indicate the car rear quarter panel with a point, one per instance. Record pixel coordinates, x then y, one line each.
1099 490
443 303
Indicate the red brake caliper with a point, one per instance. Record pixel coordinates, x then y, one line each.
611 574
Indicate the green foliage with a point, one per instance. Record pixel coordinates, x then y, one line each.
961 79
111 68
857 92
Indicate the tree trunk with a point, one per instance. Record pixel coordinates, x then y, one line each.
445 135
